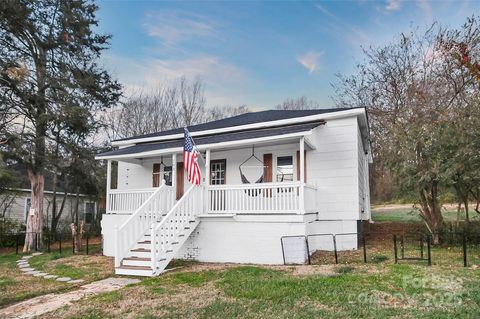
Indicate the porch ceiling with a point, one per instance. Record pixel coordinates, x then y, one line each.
270 136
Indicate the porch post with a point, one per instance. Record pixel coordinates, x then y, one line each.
207 180
302 175
109 186
174 176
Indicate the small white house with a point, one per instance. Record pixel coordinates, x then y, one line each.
266 175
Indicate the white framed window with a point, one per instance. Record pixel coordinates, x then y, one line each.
284 172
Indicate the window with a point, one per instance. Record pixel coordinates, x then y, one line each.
285 169
89 212
166 173
217 172
26 208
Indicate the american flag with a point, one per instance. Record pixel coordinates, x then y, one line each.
190 160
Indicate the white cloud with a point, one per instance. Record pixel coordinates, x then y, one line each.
310 60
175 27
224 82
392 5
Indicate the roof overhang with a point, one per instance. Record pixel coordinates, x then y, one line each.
290 121
285 138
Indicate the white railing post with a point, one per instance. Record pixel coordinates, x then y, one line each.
207 181
174 176
116 248
109 186
302 176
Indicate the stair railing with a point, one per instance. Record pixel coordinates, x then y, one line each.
168 231
151 211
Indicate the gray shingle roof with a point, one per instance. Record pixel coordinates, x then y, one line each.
243 119
212 139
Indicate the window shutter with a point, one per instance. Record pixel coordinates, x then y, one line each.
179 181
156 175
267 170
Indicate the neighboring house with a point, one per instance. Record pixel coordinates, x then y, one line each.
17 210
308 175
20 206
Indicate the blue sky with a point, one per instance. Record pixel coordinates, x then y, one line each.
257 53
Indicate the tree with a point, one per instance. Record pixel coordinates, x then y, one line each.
299 103
419 98
49 75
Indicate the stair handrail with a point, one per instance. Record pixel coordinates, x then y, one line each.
123 242
155 228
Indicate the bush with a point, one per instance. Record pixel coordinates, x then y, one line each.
8 230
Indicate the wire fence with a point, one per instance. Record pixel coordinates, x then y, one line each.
90 243
329 248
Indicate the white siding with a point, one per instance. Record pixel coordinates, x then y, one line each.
333 166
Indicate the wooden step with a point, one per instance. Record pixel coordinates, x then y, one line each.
145 242
141 250
137 259
135 267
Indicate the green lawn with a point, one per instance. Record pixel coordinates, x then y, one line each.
373 291
16 286
407 214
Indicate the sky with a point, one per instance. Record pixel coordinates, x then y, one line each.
258 53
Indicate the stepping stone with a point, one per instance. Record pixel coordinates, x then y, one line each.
76 281
64 279
27 269
24 266
40 274
37 254
26 257
33 272
50 276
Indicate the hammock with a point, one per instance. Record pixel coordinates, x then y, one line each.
251 192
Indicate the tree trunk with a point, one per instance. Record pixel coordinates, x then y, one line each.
431 211
35 215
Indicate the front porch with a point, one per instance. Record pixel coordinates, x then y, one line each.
232 186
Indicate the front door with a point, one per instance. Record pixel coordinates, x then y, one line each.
218 176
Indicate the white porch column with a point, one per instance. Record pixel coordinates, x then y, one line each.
109 186
207 180
174 176
302 175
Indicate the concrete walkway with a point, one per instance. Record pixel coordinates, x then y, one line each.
43 304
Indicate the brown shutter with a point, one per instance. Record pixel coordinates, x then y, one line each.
267 170
298 166
156 175
179 180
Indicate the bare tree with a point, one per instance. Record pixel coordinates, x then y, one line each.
192 102
221 112
299 103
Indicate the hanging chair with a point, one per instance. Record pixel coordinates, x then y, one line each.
252 192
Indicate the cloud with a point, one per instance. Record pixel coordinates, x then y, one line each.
392 5
176 27
225 83
310 60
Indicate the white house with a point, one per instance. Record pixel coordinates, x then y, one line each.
308 175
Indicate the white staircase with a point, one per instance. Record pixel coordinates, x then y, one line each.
160 231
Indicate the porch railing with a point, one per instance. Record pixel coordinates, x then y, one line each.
151 211
128 200
260 198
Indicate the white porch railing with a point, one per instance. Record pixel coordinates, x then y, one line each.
128 200
128 234
172 226
260 198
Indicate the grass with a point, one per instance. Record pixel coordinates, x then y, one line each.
16 286
369 291
406 214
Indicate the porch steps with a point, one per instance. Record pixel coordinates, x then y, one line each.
138 262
